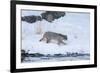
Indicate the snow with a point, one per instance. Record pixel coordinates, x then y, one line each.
75 25
31 12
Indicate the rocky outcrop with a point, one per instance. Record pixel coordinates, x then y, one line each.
49 16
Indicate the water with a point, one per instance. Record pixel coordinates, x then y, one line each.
54 59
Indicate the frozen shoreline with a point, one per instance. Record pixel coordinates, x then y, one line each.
55 59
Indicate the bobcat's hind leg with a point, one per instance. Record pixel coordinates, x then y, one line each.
41 39
47 41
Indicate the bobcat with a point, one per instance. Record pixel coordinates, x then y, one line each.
48 36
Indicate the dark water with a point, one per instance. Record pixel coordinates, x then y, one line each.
54 59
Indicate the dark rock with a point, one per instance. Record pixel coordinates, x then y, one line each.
52 15
31 19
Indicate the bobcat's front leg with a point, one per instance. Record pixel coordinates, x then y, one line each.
61 42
